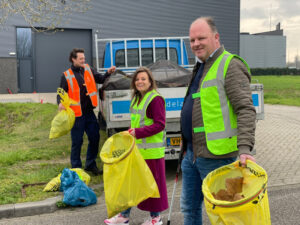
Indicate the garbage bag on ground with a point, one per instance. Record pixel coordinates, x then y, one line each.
76 192
127 177
54 184
252 206
63 122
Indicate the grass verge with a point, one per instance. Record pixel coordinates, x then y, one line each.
283 90
28 156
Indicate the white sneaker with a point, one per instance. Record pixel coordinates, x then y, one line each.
153 221
117 220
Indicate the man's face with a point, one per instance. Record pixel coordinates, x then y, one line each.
202 40
80 60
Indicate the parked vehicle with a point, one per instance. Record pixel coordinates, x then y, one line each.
130 53
162 56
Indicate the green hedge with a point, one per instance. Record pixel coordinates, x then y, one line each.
274 71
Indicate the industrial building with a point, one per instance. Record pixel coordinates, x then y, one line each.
34 62
264 50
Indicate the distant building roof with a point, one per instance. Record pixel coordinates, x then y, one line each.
278 32
273 32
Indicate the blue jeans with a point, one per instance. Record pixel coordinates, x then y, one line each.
89 124
126 213
193 173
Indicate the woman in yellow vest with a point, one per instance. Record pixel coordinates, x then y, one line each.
148 118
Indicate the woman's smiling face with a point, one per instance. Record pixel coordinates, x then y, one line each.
142 82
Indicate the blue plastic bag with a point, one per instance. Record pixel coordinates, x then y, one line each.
76 192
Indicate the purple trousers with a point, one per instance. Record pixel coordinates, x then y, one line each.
157 167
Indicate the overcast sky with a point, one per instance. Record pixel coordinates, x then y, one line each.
258 15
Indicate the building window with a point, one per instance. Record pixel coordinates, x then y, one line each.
24 42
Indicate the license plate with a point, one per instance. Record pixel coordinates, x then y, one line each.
175 141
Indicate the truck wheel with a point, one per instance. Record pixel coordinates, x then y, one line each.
110 132
101 121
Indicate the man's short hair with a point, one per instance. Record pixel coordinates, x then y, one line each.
73 53
210 21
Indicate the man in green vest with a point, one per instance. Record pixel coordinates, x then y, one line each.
217 117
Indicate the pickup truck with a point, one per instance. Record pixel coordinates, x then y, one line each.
162 56
128 54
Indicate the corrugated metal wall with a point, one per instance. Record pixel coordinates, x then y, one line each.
142 18
263 51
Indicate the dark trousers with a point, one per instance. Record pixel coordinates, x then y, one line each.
86 123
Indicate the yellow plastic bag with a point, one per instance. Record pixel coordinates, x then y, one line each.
54 184
64 120
127 177
253 209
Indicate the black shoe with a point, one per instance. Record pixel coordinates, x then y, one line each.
94 171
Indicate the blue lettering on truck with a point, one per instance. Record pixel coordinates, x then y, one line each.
172 104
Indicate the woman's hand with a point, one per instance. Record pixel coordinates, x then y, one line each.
132 131
61 107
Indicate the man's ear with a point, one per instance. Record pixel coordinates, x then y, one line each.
217 37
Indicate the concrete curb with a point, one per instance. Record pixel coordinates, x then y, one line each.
33 208
29 208
35 97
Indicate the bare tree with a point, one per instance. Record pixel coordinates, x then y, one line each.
48 14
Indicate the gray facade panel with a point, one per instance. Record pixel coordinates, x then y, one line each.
7 40
264 51
167 18
52 56
8 75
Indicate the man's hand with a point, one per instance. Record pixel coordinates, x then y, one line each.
132 131
111 70
244 157
61 107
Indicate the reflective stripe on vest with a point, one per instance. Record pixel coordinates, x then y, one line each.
74 90
148 148
91 89
221 131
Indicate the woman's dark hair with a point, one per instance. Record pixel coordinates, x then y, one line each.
136 94
73 53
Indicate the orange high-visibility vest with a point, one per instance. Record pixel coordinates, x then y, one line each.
74 90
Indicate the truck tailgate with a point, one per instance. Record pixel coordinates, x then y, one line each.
119 102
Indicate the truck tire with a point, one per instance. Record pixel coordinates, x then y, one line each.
110 132
101 121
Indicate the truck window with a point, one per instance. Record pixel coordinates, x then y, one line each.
132 58
161 53
147 56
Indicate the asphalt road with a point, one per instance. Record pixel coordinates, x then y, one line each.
284 207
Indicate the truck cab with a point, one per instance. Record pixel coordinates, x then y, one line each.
129 54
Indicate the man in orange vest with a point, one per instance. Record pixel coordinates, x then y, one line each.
79 82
